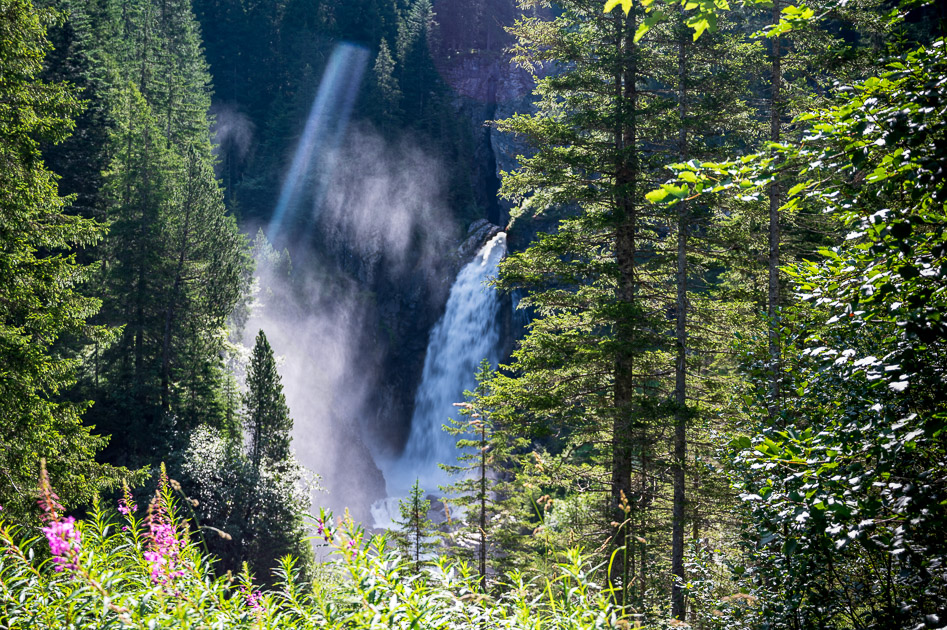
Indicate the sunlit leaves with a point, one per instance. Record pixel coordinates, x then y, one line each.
362 584
851 474
703 15
651 19
625 5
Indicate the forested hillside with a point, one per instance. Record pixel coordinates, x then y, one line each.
243 252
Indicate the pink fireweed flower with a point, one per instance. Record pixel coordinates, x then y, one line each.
164 542
253 599
126 505
62 535
126 508
64 542
323 530
48 500
164 550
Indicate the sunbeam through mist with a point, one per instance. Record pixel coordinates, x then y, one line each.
324 130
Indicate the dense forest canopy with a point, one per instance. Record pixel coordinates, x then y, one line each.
229 231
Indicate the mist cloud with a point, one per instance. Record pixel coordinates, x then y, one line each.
232 130
385 203
385 230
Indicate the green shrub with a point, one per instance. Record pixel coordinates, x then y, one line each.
134 568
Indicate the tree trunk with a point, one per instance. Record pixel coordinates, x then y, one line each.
483 506
417 534
680 366
170 57
772 310
625 252
140 293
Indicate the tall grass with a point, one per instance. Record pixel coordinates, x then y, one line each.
134 568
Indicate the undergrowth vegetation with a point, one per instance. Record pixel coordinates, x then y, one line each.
146 568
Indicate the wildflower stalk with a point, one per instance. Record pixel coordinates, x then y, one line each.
164 545
191 504
64 540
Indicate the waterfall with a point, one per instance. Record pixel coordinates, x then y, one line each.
468 332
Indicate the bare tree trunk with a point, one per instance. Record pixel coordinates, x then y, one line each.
772 310
625 252
483 506
680 366
417 535
695 521
170 105
140 293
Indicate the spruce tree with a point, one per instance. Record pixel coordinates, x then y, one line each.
387 85
138 188
279 491
602 375
255 492
415 534
42 297
266 416
175 263
486 492
584 279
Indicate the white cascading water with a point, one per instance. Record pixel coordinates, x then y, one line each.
468 332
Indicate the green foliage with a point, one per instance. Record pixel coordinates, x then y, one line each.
846 492
255 494
625 342
266 416
493 509
174 263
247 514
389 91
42 298
703 15
414 535
110 584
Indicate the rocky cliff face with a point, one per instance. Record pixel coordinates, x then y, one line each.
489 87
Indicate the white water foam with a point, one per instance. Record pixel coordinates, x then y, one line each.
467 333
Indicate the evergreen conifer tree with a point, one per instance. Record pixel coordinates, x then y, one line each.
622 322
489 493
266 416
258 492
415 534
175 263
387 84
42 300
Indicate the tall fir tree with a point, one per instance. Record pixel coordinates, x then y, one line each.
415 535
621 289
387 84
174 264
43 299
266 416
487 493
253 489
